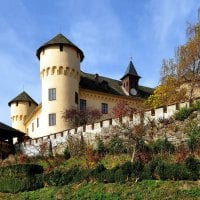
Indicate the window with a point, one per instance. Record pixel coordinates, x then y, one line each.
52 119
76 98
37 122
82 104
52 94
61 47
104 108
32 127
152 112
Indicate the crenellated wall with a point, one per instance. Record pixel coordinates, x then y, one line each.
60 70
91 131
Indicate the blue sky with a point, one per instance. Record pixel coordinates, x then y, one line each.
108 31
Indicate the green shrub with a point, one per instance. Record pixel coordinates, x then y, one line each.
183 113
192 143
99 168
21 177
193 131
192 163
120 177
178 171
163 146
146 173
142 146
115 145
161 171
82 174
67 154
137 169
53 178
110 175
194 166
196 105
154 163
107 176
127 168
101 149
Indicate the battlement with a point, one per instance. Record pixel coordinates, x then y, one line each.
91 131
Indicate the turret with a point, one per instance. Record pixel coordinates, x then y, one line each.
21 106
130 79
60 75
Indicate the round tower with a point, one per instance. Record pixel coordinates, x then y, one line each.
60 75
21 106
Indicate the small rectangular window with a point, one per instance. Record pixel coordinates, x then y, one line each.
165 109
76 98
61 47
32 127
52 94
152 112
52 119
177 106
37 122
82 104
104 108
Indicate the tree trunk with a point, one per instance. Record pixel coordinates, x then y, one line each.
133 154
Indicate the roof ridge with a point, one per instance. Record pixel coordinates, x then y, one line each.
23 96
130 70
101 76
59 39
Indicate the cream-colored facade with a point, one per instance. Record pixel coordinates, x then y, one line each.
63 87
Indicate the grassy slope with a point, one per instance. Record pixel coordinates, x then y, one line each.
142 190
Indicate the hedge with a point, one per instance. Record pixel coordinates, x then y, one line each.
188 170
20 177
27 177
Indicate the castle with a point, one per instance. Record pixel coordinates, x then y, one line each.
65 86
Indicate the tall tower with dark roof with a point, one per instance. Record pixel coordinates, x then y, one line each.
130 79
60 75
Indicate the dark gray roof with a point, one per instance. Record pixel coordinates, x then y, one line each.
130 70
107 85
22 97
7 132
57 40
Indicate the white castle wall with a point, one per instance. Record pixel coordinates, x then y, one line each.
91 131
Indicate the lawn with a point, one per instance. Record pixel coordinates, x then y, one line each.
152 189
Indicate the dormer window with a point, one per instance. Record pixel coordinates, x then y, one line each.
104 84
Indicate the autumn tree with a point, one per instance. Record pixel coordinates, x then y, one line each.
121 109
169 91
188 61
132 133
180 77
77 117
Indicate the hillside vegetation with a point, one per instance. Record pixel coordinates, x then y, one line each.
161 169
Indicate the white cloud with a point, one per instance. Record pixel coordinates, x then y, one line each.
169 19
